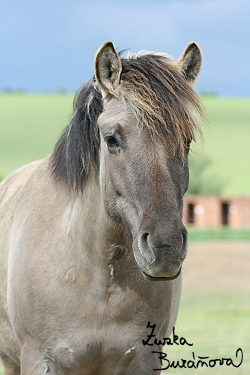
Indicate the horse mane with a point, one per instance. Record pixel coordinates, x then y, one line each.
161 99
76 153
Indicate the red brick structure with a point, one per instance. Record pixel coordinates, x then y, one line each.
214 212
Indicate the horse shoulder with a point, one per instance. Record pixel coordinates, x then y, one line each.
10 189
16 180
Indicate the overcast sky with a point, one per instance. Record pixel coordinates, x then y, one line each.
47 45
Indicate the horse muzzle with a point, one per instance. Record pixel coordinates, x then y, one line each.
164 262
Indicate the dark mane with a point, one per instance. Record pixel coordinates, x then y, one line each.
161 99
76 153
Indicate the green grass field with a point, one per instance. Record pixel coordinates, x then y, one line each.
217 324
221 234
31 124
226 143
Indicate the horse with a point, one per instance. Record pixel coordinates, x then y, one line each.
92 240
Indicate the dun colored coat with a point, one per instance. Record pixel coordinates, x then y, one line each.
91 238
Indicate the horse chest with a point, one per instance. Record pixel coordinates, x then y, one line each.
100 331
98 352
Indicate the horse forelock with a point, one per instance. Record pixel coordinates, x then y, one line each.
162 99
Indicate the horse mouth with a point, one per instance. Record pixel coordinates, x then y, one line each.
161 278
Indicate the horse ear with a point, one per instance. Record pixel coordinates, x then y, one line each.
108 68
190 62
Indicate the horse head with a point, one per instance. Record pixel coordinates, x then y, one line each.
146 127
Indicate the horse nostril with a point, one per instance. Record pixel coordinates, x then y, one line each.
144 237
145 248
184 243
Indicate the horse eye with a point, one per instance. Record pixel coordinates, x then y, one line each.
188 143
112 141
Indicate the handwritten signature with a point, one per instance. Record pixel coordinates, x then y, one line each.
195 362
164 340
